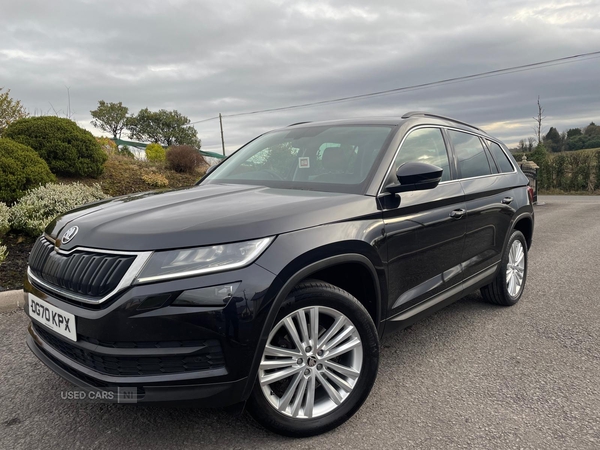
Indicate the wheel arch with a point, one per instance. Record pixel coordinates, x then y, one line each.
313 270
524 223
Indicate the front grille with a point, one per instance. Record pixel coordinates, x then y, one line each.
210 357
82 272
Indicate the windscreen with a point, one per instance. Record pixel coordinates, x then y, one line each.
327 158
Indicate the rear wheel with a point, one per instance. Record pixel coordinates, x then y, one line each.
509 284
319 363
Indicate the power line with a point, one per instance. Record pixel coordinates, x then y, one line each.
491 73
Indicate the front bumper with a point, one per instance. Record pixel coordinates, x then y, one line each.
213 394
167 353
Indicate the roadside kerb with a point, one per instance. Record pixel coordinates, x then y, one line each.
11 300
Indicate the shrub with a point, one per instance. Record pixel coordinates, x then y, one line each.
125 151
155 152
21 168
597 157
108 145
4 227
155 180
122 176
4 215
41 205
68 149
183 158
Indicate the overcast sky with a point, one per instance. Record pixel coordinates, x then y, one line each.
203 58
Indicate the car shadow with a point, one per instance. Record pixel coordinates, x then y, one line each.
161 425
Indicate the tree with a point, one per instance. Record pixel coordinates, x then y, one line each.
572 132
538 121
10 110
162 127
553 139
592 130
110 117
530 142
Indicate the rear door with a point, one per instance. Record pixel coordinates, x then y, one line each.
488 189
424 230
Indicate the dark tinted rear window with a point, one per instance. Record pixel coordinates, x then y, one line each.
500 157
472 161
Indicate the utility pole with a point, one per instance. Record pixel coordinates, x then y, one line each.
222 138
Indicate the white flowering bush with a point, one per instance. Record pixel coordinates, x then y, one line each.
36 209
4 227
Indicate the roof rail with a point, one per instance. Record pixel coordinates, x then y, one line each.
297 123
437 116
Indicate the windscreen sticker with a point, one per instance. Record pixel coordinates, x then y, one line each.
304 162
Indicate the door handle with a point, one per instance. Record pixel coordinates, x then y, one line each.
507 200
458 213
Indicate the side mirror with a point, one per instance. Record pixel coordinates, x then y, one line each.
416 176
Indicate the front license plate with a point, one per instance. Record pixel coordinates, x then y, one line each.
56 319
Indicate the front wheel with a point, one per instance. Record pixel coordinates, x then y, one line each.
509 284
319 363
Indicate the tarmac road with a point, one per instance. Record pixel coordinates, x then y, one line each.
471 376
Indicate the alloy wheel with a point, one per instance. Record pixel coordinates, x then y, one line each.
515 269
311 362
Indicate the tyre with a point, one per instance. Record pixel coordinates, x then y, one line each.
509 284
319 363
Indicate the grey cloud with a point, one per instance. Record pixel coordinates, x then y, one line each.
203 58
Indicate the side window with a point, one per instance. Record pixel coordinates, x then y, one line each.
472 161
500 157
422 145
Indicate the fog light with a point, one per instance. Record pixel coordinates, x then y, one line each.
208 296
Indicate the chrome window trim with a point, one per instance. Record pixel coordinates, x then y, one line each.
126 281
380 191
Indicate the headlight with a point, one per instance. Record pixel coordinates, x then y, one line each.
197 261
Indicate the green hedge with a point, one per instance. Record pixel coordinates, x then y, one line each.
68 149
576 171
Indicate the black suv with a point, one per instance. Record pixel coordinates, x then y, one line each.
272 280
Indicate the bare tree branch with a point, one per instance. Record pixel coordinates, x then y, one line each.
538 121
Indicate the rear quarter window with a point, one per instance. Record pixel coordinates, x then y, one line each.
500 157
